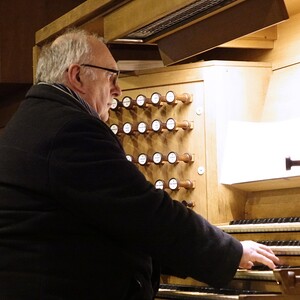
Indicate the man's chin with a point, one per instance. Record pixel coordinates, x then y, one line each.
104 118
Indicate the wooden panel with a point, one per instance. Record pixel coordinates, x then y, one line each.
262 39
10 102
35 55
293 7
273 203
230 23
121 22
18 24
239 96
189 73
270 184
83 13
286 51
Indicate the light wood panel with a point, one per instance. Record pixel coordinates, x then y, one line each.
84 13
144 12
262 39
273 203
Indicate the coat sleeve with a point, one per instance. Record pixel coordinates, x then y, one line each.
91 177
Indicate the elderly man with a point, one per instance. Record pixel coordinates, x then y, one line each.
78 220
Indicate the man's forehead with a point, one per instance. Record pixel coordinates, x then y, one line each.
101 52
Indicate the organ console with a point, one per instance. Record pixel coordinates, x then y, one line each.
209 89
286 279
188 163
282 236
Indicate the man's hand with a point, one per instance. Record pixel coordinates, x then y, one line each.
255 252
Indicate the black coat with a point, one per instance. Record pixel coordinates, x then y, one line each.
79 221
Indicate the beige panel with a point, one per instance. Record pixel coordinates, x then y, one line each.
262 39
282 101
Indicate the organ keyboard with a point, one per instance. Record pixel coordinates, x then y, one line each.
287 279
183 292
263 225
259 283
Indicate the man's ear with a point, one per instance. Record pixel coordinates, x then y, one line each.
73 75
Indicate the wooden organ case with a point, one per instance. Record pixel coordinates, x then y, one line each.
173 125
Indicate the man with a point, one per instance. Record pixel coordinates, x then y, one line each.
78 220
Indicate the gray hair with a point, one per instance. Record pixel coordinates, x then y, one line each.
72 47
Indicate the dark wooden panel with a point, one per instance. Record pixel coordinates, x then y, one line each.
18 23
221 28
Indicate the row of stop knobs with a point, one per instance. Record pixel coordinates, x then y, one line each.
159 158
156 126
173 158
175 184
156 99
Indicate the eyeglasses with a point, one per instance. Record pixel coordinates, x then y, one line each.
114 71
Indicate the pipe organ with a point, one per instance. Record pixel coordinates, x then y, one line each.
173 125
